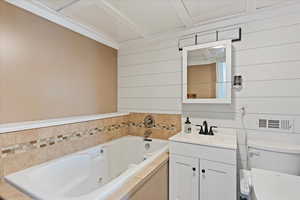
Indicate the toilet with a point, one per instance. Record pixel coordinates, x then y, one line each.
274 172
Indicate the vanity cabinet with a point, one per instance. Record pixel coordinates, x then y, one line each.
184 179
217 181
199 172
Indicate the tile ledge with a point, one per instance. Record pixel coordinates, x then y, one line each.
8 192
11 127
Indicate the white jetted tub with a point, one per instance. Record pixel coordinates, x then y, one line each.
92 174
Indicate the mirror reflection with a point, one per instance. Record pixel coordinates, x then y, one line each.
206 73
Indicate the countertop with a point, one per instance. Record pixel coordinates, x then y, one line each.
228 141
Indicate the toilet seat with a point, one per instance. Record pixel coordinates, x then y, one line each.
270 185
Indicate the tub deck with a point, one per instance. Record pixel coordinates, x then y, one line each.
8 192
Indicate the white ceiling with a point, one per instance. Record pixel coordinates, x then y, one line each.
96 16
132 19
203 10
56 4
152 16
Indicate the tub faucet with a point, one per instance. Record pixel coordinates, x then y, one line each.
147 134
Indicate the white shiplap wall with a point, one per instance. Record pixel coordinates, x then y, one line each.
268 58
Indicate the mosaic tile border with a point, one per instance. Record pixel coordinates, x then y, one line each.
162 126
42 143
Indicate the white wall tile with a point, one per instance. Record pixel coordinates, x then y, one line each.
272 71
267 58
151 92
159 79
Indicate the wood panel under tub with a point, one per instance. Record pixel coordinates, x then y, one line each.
157 187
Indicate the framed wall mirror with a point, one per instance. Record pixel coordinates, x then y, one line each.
207 73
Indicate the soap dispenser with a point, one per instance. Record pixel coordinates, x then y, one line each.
188 126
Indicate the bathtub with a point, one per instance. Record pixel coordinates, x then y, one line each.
92 174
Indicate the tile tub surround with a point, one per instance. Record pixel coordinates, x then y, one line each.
23 149
166 125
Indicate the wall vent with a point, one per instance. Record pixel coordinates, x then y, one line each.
275 124
262 123
286 124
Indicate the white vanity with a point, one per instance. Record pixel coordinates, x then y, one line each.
203 167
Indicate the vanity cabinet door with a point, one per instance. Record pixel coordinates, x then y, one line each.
217 181
184 178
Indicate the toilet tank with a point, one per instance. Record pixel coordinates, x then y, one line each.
275 157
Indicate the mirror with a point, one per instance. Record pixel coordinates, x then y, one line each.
207 73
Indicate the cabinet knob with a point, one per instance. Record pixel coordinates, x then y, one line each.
203 171
194 169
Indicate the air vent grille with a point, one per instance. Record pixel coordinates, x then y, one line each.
275 124
262 123
285 124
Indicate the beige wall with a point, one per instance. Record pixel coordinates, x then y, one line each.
47 71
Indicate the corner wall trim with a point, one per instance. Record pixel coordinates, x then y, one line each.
59 19
11 127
